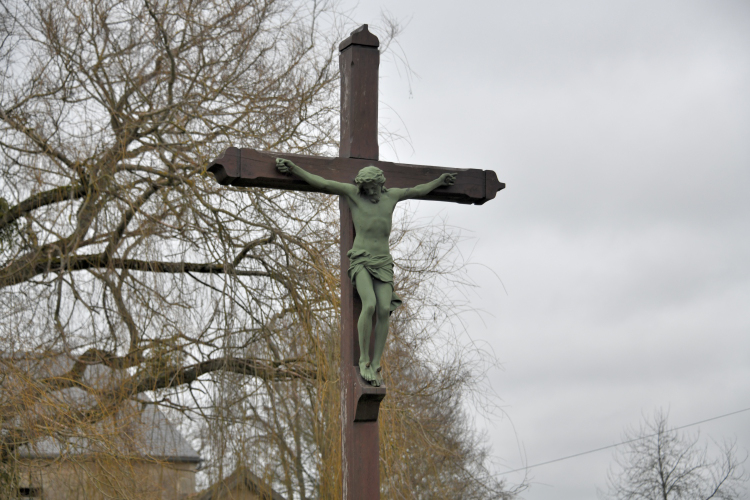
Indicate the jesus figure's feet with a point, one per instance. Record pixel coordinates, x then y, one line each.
378 374
365 369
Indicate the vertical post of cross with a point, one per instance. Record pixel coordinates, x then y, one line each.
358 62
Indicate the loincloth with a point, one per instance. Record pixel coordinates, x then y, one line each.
380 267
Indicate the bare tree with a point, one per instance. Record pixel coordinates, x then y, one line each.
661 463
117 250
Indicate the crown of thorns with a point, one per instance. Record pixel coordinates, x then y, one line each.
370 174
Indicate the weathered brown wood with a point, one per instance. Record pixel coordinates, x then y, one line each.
359 59
360 402
360 36
360 447
347 341
250 168
362 481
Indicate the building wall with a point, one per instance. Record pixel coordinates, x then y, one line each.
100 479
238 492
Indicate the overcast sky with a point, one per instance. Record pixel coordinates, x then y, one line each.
623 238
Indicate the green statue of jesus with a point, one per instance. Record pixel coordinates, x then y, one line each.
370 261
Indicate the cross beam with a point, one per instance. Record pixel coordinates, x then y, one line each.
250 168
358 62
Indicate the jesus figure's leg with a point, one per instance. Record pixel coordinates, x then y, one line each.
383 293
364 324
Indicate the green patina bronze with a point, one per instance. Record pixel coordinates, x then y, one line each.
370 261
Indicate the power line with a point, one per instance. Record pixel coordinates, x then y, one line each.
619 444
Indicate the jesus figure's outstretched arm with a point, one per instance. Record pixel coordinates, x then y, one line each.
427 188
333 187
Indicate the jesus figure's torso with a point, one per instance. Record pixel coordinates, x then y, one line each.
372 222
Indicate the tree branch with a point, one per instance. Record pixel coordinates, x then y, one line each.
250 246
22 271
56 195
263 369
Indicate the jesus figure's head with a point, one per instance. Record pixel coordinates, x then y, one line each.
371 182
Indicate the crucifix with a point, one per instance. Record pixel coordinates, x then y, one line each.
359 59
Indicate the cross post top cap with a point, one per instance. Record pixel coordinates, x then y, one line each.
360 36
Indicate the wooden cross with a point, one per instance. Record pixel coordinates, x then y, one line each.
360 402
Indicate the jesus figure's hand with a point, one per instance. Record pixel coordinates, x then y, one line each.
284 166
448 179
